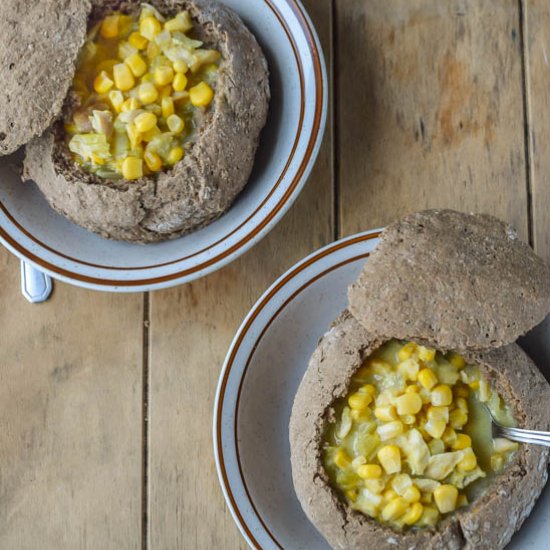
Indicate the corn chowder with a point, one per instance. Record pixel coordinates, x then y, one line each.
142 83
412 441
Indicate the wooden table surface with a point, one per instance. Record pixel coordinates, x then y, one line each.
106 400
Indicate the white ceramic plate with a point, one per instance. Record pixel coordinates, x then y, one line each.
257 386
289 147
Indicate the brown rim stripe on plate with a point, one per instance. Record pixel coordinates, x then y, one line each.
320 94
230 362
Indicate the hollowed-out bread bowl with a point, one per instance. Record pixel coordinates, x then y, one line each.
456 249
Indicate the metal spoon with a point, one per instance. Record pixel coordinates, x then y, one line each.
521 436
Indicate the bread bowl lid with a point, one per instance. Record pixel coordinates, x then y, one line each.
463 281
38 52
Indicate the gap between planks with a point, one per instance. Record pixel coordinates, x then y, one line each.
145 422
334 114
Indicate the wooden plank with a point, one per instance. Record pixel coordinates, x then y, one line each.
191 329
537 55
430 110
70 418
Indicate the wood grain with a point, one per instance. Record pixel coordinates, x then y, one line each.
537 64
430 110
70 418
191 329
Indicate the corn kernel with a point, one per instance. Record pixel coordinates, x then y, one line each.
438 413
457 361
462 442
503 445
462 501
133 134
357 401
412 389
408 419
435 428
387 413
97 159
400 483
124 79
442 396
149 27
351 494
458 419
426 354
102 83
200 95
412 494
390 430
139 42
153 161
147 93
410 403
117 99
497 463
152 50
136 64
394 509
445 497
474 385
484 391
132 168
180 82
175 24
369 471
407 351
145 122
427 378
430 516
369 389
180 66
409 369
468 462
389 457
175 155
341 459
163 75
413 514
389 495
130 104
436 446
109 27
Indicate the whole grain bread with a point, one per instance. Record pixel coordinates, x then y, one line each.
463 281
39 45
215 168
487 524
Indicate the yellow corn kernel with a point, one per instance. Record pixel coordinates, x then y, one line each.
412 494
139 42
389 494
394 509
149 27
461 501
132 168
180 66
386 413
442 396
458 419
358 415
136 64
180 82
124 79
390 430
163 75
407 351
436 446
175 155
131 104
400 483
133 135
438 413
176 24
462 442
503 445
145 122
147 93
497 463
468 462
474 385
430 517
445 497
341 459
484 391
351 494
102 83
152 50
414 513
357 401
410 403
426 354
427 378
117 99
412 389
369 389
457 361
369 471
389 457
408 419
96 159
435 428
109 27
152 133
153 161
200 95
409 369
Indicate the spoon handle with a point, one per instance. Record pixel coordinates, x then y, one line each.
524 436
36 286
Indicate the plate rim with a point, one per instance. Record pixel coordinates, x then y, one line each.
229 364
259 230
